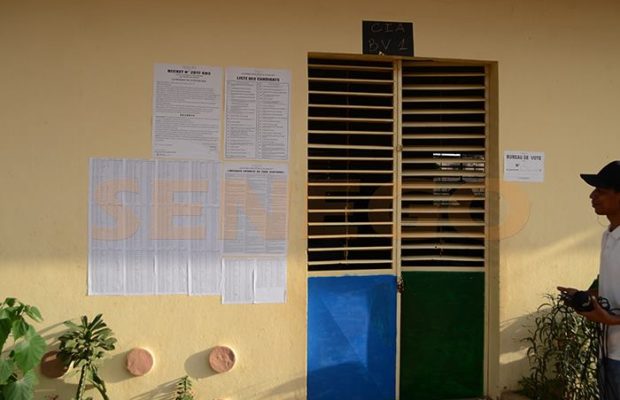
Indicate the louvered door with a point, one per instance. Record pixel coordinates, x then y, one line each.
351 171
397 185
443 165
443 229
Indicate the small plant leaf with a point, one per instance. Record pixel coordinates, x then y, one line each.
19 329
10 301
21 389
34 313
17 377
29 350
5 329
71 325
6 370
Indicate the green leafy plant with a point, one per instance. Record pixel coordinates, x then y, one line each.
563 353
184 389
17 375
83 347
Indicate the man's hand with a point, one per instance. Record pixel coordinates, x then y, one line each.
599 314
569 291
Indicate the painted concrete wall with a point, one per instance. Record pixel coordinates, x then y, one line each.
76 82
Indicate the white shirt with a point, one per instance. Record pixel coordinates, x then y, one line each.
609 285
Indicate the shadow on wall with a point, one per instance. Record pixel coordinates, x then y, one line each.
293 389
161 392
514 360
564 258
197 367
113 369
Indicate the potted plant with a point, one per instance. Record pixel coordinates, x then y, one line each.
563 350
83 347
17 375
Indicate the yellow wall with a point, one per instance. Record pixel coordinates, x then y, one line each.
76 82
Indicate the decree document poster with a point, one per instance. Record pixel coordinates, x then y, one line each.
257 114
187 109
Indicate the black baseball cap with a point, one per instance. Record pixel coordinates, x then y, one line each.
608 177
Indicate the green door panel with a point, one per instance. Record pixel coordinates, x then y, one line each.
442 335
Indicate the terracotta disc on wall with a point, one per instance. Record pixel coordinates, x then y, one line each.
221 359
52 366
139 361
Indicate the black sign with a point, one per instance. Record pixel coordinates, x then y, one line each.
393 38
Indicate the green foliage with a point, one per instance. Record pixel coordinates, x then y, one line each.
184 389
17 377
83 347
563 353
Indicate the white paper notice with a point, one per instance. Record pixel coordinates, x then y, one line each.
253 280
187 109
523 166
270 280
206 273
255 209
154 227
257 114
238 280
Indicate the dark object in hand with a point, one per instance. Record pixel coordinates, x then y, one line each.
579 301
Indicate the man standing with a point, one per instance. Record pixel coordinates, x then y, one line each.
606 201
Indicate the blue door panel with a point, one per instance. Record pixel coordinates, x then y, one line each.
352 337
